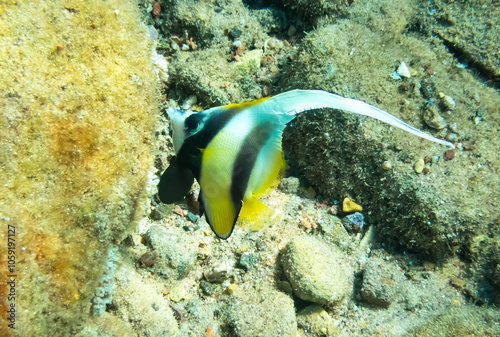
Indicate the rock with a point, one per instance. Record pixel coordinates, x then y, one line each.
141 305
250 62
76 152
189 102
247 261
179 293
403 70
419 165
433 119
382 282
290 185
447 102
148 259
218 272
315 320
266 312
317 271
354 223
176 253
350 206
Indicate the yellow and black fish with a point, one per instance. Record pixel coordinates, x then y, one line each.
234 151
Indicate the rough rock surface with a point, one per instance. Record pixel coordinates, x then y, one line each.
318 272
176 252
262 313
382 282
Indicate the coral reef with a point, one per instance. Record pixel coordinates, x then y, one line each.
79 98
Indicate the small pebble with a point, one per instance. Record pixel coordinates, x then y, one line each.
192 217
448 102
467 145
419 166
387 165
457 282
433 119
189 102
426 170
403 70
449 155
217 272
247 261
350 206
148 259
354 223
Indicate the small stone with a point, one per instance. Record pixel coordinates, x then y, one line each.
449 155
457 282
250 62
467 145
289 185
247 261
310 193
235 33
210 289
315 320
178 211
148 259
218 272
334 210
426 170
189 102
433 119
179 293
176 251
403 70
266 312
349 206
192 217
419 166
387 165
448 102
354 223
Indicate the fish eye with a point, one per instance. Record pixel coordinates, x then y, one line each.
192 123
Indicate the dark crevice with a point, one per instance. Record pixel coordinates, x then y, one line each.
485 74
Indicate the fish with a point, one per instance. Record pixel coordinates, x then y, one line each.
235 153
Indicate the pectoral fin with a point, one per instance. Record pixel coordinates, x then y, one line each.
175 183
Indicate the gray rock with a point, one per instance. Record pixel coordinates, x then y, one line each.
318 272
290 185
247 261
382 282
264 313
176 252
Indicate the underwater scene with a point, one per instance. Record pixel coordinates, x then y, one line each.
249 168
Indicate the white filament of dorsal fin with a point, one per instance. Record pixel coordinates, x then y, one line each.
294 102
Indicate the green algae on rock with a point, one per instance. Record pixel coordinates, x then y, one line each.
78 104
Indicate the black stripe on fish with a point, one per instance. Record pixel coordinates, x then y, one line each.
246 159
